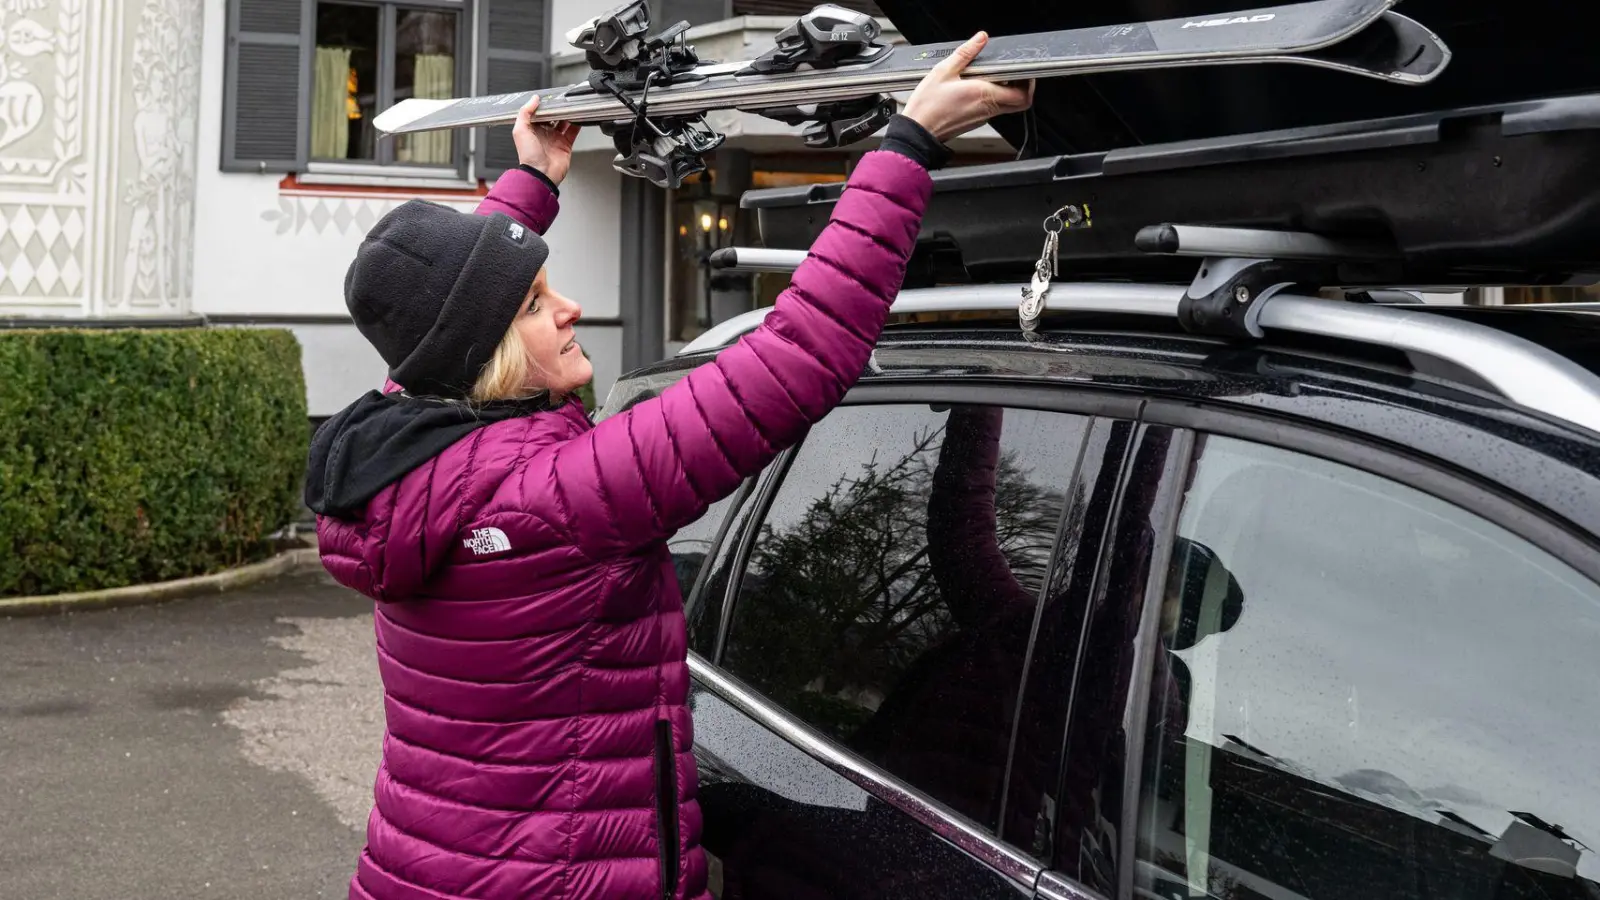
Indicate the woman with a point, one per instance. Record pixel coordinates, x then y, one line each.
530 633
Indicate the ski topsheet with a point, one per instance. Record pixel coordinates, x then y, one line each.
1359 37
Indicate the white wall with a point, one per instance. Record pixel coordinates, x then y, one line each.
269 246
586 240
568 14
97 157
266 248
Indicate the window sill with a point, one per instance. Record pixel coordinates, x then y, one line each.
315 181
384 176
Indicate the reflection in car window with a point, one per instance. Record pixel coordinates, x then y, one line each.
1365 692
690 546
889 596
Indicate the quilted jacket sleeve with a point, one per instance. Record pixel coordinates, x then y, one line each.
639 476
522 196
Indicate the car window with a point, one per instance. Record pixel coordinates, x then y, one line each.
627 393
692 544
890 592
1364 691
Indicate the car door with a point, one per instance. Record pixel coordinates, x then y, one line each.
1328 671
866 720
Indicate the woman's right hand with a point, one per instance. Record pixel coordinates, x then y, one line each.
948 105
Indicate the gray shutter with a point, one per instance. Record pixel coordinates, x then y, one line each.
513 55
264 93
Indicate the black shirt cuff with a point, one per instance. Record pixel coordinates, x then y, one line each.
541 176
908 138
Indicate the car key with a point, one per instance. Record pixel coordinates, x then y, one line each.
1048 266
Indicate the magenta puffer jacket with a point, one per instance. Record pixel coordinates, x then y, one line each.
530 631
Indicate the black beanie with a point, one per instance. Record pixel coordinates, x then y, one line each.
434 290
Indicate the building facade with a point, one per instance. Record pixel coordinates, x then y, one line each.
98 115
213 162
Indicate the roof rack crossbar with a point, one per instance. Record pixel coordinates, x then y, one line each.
1518 369
757 259
1242 268
1255 243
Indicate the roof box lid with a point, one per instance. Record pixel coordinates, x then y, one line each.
1503 53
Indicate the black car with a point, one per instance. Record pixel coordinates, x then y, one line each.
1243 573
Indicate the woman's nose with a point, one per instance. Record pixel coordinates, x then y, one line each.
570 311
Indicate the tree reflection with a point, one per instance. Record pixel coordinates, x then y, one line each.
850 590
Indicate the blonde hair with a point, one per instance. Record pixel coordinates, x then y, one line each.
506 375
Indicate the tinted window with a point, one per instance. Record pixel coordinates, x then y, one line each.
703 559
890 593
1363 691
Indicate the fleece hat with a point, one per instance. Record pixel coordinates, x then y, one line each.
434 290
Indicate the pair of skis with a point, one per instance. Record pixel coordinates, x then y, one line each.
831 72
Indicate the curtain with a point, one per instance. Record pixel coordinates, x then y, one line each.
435 80
330 118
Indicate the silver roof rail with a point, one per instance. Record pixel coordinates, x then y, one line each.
1085 297
1520 370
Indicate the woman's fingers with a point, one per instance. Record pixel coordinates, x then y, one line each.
962 56
1011 97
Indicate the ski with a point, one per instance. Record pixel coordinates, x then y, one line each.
829 71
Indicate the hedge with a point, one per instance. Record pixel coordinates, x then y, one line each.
134 456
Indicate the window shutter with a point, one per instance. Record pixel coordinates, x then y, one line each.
264 91
513 55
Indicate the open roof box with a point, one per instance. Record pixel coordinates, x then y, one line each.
1490 175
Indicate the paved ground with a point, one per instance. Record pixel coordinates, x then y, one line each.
218 747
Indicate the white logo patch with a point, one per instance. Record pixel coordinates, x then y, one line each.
515 231
487 540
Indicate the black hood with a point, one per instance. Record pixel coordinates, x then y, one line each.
1503 52
376 440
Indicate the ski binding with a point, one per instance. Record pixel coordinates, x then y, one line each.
825 38
665 150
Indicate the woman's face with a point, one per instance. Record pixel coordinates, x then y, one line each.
545 323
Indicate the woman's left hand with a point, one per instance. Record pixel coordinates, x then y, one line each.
546 146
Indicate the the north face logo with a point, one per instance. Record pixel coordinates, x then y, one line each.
515 231
487 540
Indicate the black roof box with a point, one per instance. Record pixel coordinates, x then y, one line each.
1492 194
1504 52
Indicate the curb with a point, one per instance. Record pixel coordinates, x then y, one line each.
141 594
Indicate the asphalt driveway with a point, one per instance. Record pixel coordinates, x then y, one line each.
215 747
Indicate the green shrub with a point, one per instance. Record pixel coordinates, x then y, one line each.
134 456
